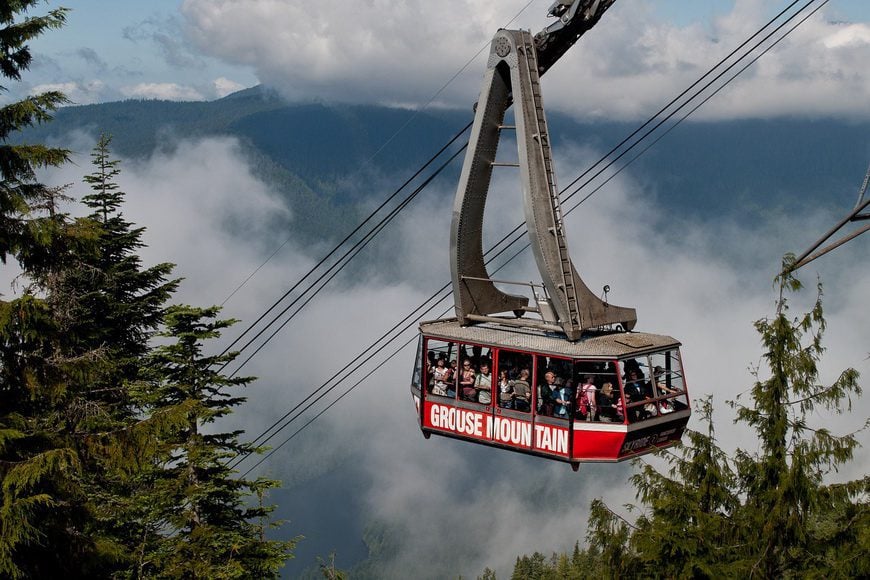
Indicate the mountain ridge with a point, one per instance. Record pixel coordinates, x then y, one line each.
319 154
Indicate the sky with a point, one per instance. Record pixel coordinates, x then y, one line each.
405 53
453 502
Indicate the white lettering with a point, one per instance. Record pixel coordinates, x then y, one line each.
459 420
543 437
551 439
512 431
562 441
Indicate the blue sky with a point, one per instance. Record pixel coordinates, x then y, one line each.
401 52
682 12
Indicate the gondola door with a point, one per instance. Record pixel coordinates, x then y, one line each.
552 418
513 400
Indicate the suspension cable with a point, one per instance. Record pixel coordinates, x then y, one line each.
344 241
340 265
381 206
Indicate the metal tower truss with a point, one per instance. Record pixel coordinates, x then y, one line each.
858 213
513 76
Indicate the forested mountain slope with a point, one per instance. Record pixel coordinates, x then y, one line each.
326 156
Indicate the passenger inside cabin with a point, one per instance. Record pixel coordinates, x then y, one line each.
609 405
505 391
632 365
430 362
662 389
636 391
610 374
562 397
586 398
522 392
466 381
483 383
440 377
546 394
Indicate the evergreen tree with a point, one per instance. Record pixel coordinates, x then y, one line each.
213 529
766 513
124 300
19 189
40 501
118 305
691 526
784 482
74 446
98 308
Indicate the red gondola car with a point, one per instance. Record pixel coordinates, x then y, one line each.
641 420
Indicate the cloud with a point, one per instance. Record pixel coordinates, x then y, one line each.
224 86
80 93
627 67
203 209
161 91
92 58
167 36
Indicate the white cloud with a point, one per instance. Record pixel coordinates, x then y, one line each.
161 91
203 210
386 51
77 92
848 35
224 86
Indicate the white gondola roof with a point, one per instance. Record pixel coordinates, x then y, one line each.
607 345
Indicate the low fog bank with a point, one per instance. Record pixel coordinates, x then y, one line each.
445 507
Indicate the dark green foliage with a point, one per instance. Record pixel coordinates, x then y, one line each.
201 526
765 513
42 508
82 446
19 191
67 359
120 301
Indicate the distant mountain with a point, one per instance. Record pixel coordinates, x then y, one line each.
328 156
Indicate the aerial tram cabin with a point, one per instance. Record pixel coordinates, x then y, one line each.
647 408
522 367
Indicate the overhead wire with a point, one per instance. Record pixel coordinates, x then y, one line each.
260 441
414 318
338 246
345 260
374 212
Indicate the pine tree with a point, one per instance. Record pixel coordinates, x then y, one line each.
19 189
766 513
125 300
38 467
192 492
787 496
117 306
690 528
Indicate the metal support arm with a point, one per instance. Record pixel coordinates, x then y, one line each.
513 75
